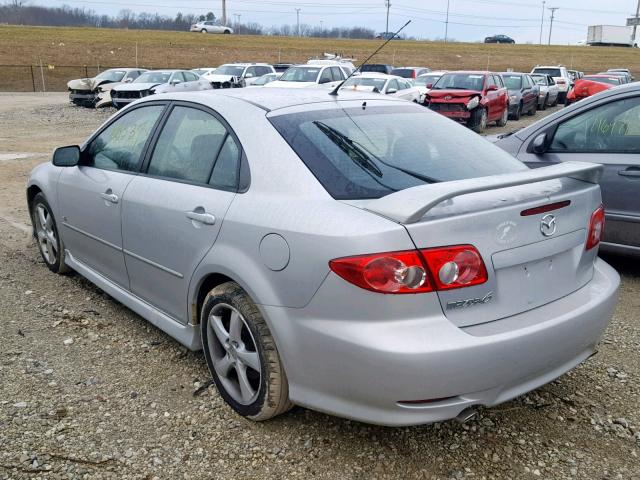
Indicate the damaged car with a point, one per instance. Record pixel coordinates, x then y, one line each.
86 92
473 98
237 75
157 81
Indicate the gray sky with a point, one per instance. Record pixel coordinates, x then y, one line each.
469 20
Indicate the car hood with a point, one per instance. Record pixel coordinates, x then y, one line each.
136 87
443 94
85 84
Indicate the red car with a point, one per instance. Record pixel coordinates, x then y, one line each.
473 98
590 85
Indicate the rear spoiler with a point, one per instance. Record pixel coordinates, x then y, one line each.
411 204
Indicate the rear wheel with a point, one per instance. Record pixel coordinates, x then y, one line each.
204 30
46 232
478 120
534 109
545 103
518 113
504 118
562 97
242 355
227 32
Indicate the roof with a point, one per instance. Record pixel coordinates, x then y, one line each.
276 98
245 64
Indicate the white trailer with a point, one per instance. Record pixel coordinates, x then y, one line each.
610 35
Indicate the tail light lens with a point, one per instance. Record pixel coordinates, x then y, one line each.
596 228
414 271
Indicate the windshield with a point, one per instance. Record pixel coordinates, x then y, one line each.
300 74
111 76
358 153
424 80
553 72
153 77
460 81
609 80
366 82
264 79
539 79
232 70
513 82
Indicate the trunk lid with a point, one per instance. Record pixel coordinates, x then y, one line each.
528 264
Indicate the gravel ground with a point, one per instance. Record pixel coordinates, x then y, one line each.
88 389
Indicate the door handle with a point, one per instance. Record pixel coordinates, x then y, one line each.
109 197
629 172
201 217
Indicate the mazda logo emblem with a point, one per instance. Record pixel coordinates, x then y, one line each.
548 225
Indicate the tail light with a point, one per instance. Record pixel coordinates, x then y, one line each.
560 82
596 228
414 271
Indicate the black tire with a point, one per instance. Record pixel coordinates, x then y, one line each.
555 102
204 30
478 120
518 113
272 388
227 32
562 97
502 122
57 264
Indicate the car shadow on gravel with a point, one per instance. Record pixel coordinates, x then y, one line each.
626 265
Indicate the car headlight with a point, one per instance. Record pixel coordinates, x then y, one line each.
513 98
473 103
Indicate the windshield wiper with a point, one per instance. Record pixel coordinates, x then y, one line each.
364 152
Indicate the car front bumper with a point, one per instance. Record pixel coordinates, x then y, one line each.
360 363
84 98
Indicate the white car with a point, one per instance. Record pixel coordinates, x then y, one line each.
305 76
560 75
233 75
347 67
265 79
548 96
203 71
425 82
386 84
210 27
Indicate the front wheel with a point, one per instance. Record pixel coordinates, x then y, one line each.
545 103
534 109
46 232
242 355
227 32
204 30
478 120
504 118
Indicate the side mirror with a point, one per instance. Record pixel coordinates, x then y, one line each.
249 75
539 144
66 156
492 88
128 80
429 85
324 80
175 82
391 91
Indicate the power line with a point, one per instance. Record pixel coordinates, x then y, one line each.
553 12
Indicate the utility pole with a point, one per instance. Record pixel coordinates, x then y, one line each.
224 12
553 12
446 24
542 20
635 26
298 19
387 4
322 28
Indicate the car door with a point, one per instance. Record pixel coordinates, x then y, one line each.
491 96
191 81
528 94
176 82
608 133
172 212
90 194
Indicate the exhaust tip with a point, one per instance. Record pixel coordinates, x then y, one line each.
467 414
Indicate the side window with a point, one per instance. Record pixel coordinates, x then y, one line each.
191 77
225 171
177 76
133 74
119 146
188 146
490 80
262 71
551 80
393 85
402 85
250 70
326 76
613 127
337 73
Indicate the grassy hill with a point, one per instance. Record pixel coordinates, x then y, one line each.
57 47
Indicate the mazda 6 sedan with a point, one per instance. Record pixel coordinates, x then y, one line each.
335 252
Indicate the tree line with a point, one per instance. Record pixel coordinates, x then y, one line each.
19 12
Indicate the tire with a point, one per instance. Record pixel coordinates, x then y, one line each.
516 116
534 109
478 120
46 233
555 102
562 97
250 354
545 102
226 32
204 30
504 119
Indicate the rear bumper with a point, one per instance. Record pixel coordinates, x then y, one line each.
360 367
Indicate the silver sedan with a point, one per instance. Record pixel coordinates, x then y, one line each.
339 253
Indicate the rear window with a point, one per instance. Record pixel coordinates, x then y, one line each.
374 68
358 153
554 72
403 72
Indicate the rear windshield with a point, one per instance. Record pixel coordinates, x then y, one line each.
554 72
404 72
358 153
374 68
513 82
377 83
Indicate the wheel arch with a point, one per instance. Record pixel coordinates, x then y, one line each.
203 287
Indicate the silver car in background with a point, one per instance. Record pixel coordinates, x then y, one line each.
339 253
549 92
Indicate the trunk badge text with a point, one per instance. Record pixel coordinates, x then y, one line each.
470 302
548 225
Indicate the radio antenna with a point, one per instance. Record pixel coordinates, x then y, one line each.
334 92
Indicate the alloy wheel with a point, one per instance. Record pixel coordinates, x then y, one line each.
234 353
46 234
